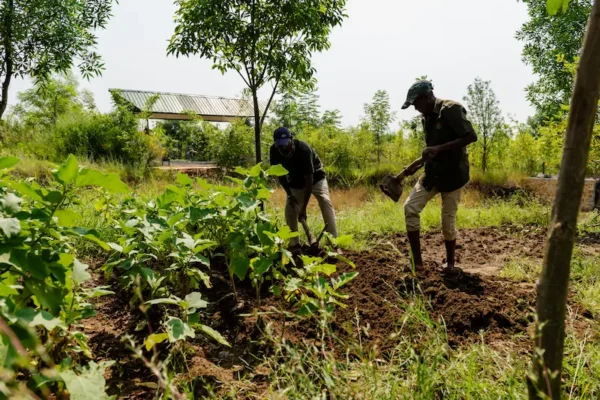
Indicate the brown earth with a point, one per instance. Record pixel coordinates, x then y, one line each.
474 305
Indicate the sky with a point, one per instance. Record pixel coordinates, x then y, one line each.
383 44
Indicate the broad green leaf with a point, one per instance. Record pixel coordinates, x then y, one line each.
26 190
67 172
194 300
43 318
343 279
293 284
255 171
11 203
342 258
49 297
241 171
7 162
214 334
326 269
178 330
115 247
110 182
199 275
308 308
10 226
277 170
247 202
80 273
184 179
240 266
87 385
344 240
260 265
67 218
186 240
167 198
6 290
154 339
92 236
286 233
99 292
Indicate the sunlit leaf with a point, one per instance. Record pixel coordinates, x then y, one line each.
343 279
67 218
7 162
67 172
43 318
110 182
194 300
26 190
184 179
260 265
11 203
154 339
10 226
80 273
164 301
277 170
255 171
89 384
178 330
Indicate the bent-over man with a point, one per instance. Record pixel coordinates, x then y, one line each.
306 177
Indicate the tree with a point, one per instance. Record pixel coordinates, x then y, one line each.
39 37
379 116
554 283
264 41
332 118
45 103
485 114
548 41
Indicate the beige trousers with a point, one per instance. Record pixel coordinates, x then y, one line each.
418 199
321 193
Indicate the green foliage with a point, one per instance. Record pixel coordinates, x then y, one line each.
379 116
547 41
44 104
45 36
232 146
262 41
42 293
189 140
485 114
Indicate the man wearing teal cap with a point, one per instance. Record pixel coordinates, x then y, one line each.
448 132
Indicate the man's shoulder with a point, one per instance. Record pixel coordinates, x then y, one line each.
302 145
448 104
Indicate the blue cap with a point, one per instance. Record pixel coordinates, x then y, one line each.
282 136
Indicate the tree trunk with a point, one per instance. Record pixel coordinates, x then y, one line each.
484 158
257 126
8 58
553 286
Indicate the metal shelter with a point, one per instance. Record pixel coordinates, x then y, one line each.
174 106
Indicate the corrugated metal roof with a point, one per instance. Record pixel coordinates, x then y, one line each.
175 103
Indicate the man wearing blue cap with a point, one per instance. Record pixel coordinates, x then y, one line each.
306 177
448 132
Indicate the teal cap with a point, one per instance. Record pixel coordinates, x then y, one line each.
417 89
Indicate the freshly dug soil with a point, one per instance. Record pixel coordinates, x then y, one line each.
473 304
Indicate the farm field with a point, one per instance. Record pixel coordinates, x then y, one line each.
387 334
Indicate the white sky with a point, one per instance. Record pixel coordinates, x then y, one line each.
383 44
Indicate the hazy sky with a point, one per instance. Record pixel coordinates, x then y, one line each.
383 44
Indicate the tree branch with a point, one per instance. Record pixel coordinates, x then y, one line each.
8 59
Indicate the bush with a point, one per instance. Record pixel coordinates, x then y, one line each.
105 137
233 146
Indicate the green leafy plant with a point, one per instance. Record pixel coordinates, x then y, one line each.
42 294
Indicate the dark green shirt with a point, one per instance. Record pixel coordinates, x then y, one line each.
449 170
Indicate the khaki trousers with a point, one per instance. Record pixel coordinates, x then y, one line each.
418 199
321 192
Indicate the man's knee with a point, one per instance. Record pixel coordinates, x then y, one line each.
412 216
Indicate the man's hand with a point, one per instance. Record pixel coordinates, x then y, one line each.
430 152
302 215
293 201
